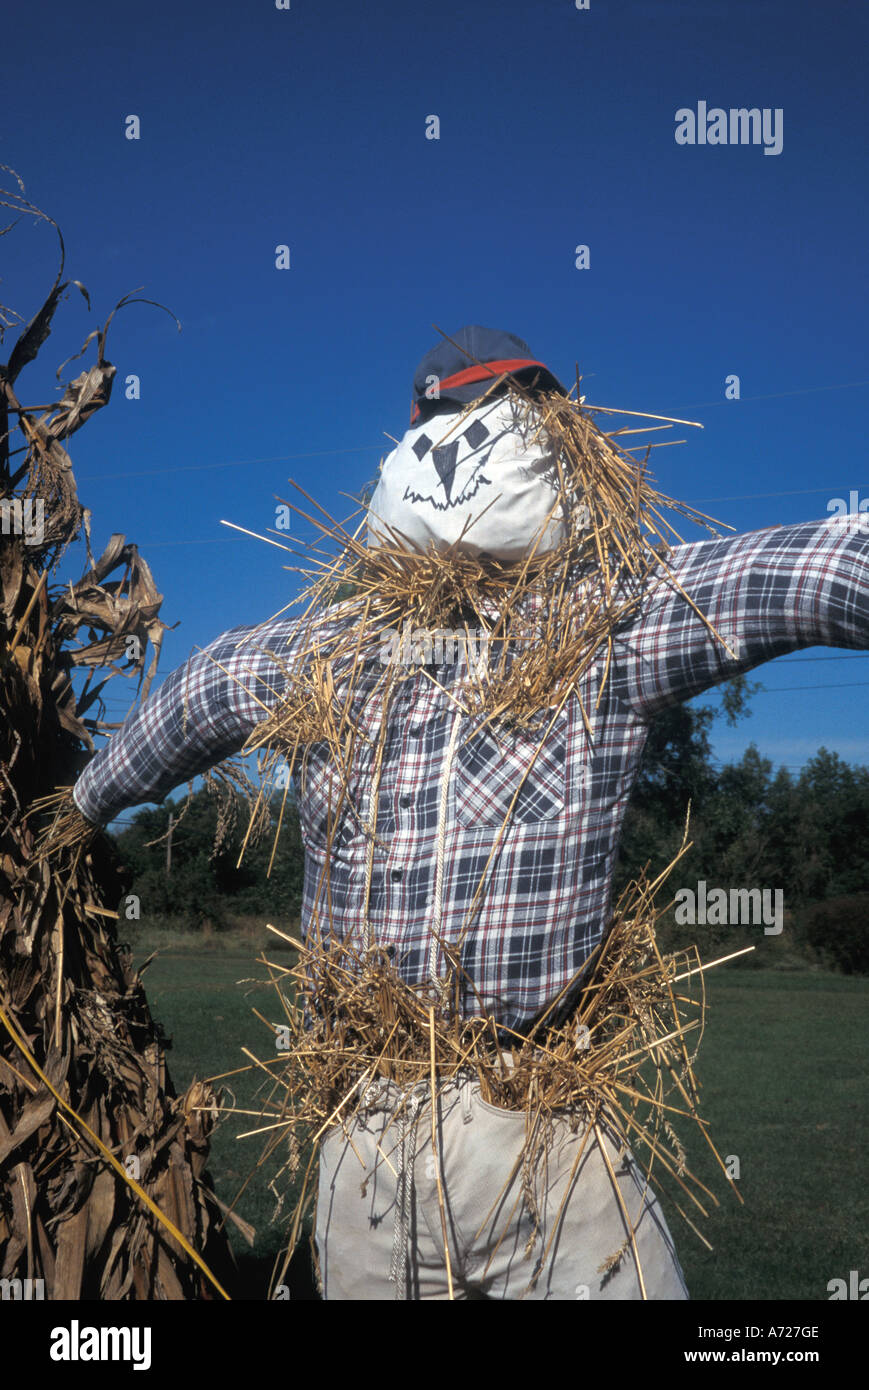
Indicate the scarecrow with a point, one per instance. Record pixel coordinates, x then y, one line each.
465 702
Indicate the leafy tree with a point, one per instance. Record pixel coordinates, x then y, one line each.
205 882
676 772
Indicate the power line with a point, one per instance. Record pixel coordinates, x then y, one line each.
212 540
841 685
775 395
755 496
232 463
791 767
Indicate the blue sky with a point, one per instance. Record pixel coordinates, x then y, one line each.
307 127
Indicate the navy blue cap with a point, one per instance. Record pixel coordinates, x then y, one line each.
466 367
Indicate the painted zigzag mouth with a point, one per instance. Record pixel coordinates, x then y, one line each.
465 496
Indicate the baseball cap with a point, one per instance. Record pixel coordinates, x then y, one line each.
462 369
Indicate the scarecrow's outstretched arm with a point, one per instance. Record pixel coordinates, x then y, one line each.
766 593
202 713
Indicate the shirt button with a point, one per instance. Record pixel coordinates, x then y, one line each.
405 799
396 875
416 730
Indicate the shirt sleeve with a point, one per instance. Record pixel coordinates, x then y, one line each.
766 593
202 713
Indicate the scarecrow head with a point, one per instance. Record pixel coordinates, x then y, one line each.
472 473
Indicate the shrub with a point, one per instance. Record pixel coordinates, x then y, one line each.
838 930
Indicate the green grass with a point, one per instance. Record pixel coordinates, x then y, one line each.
783 1067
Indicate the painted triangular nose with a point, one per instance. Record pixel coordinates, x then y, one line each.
445 457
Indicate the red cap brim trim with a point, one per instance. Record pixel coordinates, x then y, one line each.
479 373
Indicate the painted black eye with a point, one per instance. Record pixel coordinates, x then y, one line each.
476 433
422 446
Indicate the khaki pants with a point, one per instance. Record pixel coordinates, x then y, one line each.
379 1224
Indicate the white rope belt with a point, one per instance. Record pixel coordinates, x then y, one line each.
437 921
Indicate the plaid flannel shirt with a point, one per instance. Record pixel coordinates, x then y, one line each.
546 896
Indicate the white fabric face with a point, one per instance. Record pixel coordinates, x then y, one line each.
477 472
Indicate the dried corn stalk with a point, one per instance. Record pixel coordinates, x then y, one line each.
103 1186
